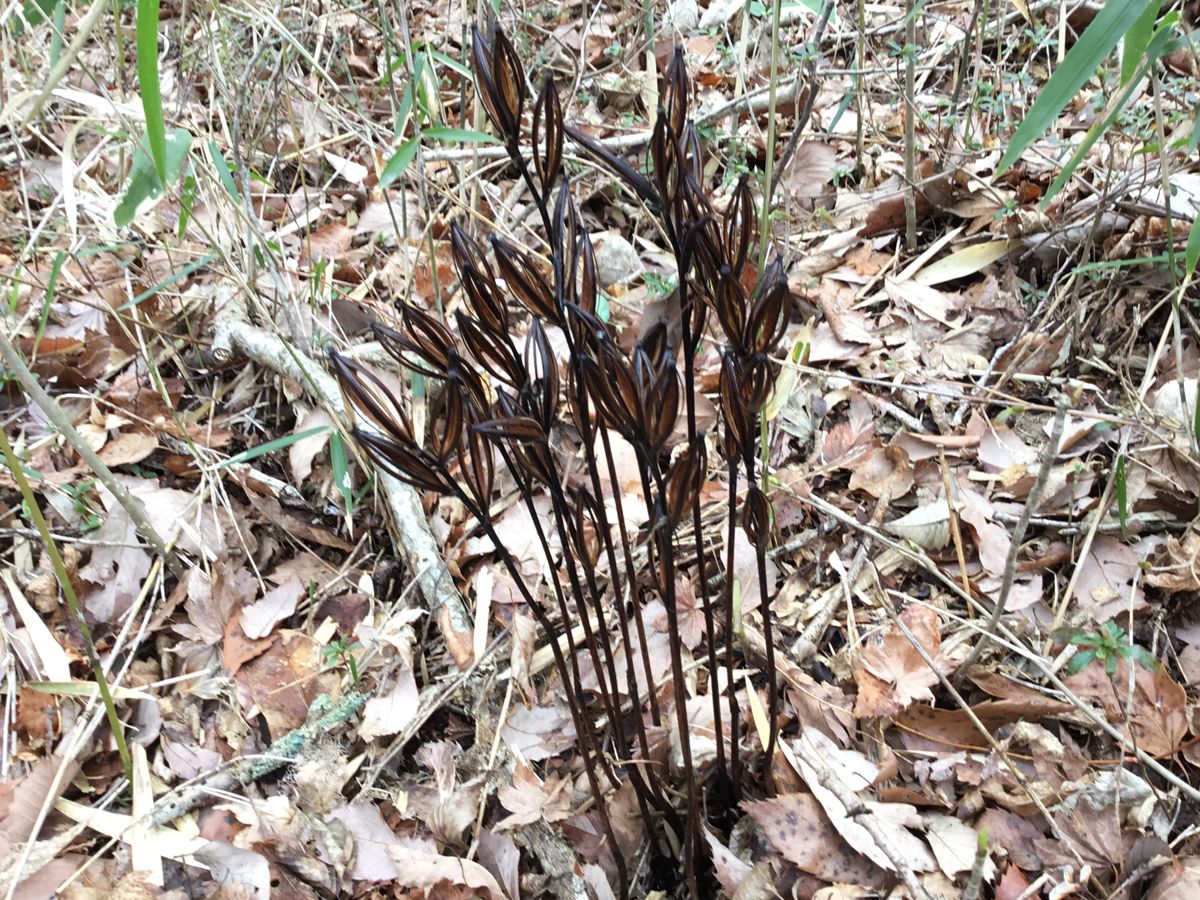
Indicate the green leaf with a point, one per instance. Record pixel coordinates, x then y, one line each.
177 275
144 182
341 472
405 110
147 69
1114 106
1092 48
1137 39
224 173
451 63
458 135
1122 495
395 166
1080 661
269 447
1193 248
33 14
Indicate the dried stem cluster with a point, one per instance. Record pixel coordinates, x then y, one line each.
497 405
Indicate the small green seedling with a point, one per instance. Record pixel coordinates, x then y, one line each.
1108 645
340 650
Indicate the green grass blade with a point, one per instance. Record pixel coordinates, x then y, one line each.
1111 110
459 135
1193 248
395 166
270 446
147 68
341 470
144 181
224 174
1137 39
1122 493
1092 48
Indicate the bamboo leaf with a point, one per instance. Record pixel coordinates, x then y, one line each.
448 134
395 166
1092 48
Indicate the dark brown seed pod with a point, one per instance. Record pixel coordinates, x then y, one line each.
367 395
768 318
684 481
446 425
478 468
664 156
478 281
691 156
409 352
542 372
730 303
525 280
739 226
636 181
662 408
491 351
514 429
501 77
564 240
757 380
738 427
587 532
588 285
406 464
756 517
435 342
677 98
547 135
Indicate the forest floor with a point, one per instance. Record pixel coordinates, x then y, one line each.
982 442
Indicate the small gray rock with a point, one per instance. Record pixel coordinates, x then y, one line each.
682 15
616 260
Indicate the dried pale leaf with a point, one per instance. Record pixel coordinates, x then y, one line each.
993 540
56 665
892 673
386 715
1109 579
799 830
261 617
538 732
169 842
499 855
530 799
236 868
885 470
730 870
1180 880
954 844
372 837
926 526
964 262
129 447
928 301
427 870
143 855
303 451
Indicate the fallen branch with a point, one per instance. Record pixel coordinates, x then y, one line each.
413 538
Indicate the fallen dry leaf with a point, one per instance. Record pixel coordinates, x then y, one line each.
891 673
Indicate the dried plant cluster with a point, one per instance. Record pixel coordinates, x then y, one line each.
495 405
